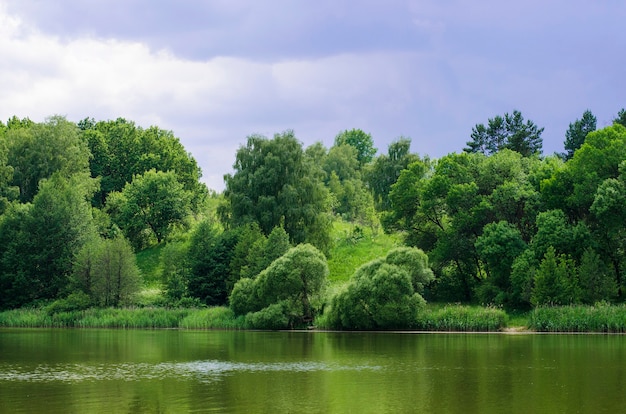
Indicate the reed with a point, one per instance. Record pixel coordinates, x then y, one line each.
578 318
213 318
461 318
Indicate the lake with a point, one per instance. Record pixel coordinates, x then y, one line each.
178 371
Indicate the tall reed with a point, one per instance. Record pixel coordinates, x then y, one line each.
599 318
213 318
461 318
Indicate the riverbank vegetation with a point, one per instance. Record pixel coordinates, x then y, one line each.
107 224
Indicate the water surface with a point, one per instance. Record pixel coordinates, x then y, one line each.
171 371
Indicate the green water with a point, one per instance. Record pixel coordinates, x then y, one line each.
113 371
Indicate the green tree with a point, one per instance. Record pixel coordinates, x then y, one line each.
621 118
596 281
38 150
291 286
7 191
106 270
608 218
577 132
40 240
498 247
556 281
210 255
361 141
175 271
572 187
151 206
383 294
121 150
276 184
386 169
509 132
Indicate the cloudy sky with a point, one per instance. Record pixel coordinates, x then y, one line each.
216 71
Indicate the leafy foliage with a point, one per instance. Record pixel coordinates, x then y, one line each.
38 150
276 184
360 141
150 207
383 294
290 286
509 132
106 270
577 132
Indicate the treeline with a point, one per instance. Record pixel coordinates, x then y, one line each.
496 224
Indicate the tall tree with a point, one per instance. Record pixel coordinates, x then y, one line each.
386 168
7 191
38 150
621 118
577 132
106 270
361 141
509 132
154 202
276 184
122 150
39 240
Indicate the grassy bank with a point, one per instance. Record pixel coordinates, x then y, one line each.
599 318
456 318
436 318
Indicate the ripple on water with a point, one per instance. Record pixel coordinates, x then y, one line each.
205 371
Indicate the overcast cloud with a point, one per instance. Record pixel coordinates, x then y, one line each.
215 72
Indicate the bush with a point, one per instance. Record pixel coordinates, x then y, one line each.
382 294
272 317
296 279
74 302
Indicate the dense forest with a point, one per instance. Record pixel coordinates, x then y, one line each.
498 223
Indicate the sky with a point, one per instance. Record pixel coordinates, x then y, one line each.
216 71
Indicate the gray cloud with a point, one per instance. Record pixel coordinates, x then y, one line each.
215 72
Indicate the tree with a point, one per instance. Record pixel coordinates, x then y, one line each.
577 132
291 286
40 240
621 118
152 205
122 150
276 184
509 132
106 270
572 187
175 271
361 141
210 257
556 281
386 169
596 282
608 218
383 294
7 191
498 247
38 150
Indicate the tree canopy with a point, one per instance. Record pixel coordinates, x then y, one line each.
509 132
276 184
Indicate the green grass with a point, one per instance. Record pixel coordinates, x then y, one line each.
350 252
599 318
148 261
